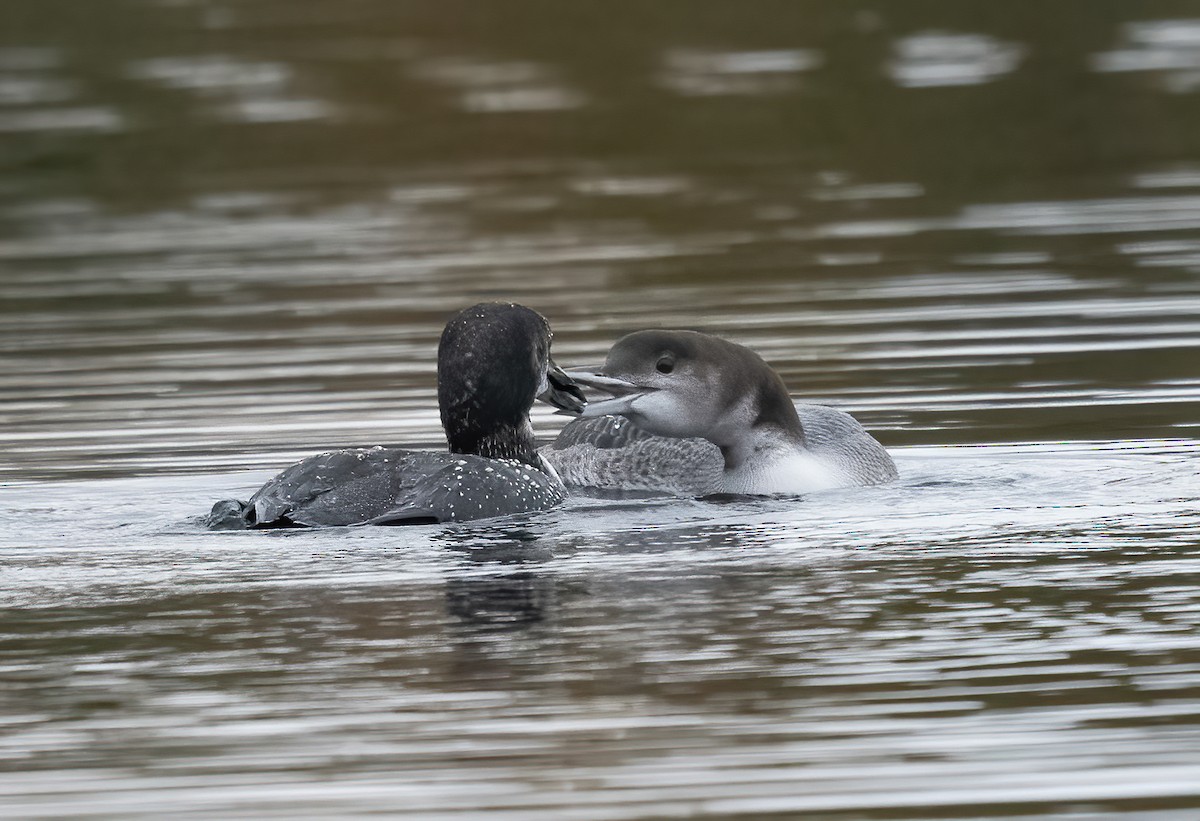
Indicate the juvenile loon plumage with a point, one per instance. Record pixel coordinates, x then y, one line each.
493 361
692 413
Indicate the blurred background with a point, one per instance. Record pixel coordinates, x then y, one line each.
231 230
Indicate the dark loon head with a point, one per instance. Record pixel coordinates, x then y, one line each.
687 384
493 362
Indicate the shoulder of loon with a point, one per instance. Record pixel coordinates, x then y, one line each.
836 437
396 486
605 432
611 452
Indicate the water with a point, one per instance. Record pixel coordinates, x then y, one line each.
230 234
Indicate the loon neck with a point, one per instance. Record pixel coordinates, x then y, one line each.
758 423
514 441
760 427
761 444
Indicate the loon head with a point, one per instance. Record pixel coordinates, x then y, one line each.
688 384
493 362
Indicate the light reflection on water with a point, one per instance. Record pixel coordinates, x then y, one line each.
695 73
788 657
1169 49
94 350
934 59
230 238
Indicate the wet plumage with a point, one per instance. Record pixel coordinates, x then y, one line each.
493 361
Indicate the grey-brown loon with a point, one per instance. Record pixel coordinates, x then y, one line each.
693 413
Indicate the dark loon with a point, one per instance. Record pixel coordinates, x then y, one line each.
493 361
673 390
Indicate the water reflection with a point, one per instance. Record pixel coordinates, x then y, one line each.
512 592
1169 49
90 119
697 73
18 90
32 88
128 314
729 655
230 237
751 637
932 59
504 600
29 58
501 86
243 91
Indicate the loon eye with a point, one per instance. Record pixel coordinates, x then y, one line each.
665 365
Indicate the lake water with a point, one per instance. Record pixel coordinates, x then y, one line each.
230 233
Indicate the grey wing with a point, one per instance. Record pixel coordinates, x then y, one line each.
342 487
390 486
611 452
288 493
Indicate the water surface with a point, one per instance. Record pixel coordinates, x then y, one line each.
230 234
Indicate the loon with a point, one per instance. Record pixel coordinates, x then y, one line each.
493 361
692 413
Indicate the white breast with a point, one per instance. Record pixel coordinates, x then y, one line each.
784 472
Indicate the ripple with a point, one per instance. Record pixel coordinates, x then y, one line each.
500 86
1169 49
1010 628
29 58
22 90
936 59
1185 177
244 91
95 119
1132 214
630 186
701 73
212 73
276 111
1033 648
869 191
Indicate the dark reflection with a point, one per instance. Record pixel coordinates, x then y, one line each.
503 600
515 595
499 543
571 656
